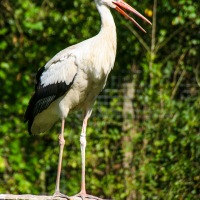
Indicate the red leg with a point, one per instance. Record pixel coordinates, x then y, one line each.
62 144
83 142
83 147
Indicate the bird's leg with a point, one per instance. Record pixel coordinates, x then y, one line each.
83 142
61 143
82 194
83 147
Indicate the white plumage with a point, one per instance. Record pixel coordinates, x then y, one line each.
73 79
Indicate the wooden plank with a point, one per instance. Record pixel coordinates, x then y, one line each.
34 197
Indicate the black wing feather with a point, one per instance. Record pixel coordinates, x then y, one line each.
43 97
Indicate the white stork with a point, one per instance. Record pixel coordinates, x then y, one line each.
73 79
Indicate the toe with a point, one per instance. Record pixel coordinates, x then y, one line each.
60 195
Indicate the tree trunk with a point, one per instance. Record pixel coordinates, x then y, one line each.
127 144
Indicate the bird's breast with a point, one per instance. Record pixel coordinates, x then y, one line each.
93 65
84 91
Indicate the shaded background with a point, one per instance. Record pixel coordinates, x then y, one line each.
144 133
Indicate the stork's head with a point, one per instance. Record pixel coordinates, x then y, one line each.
119 5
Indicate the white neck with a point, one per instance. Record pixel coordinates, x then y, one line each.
107 20
108 28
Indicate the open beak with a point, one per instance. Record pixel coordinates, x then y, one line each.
121 4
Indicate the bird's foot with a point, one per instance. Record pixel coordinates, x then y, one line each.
60 195
85 196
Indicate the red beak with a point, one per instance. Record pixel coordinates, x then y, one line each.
121 4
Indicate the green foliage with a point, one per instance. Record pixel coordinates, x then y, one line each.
164 137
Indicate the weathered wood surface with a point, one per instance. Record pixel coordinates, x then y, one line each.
41 197
34 197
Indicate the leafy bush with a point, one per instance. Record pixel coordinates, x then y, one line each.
157 157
